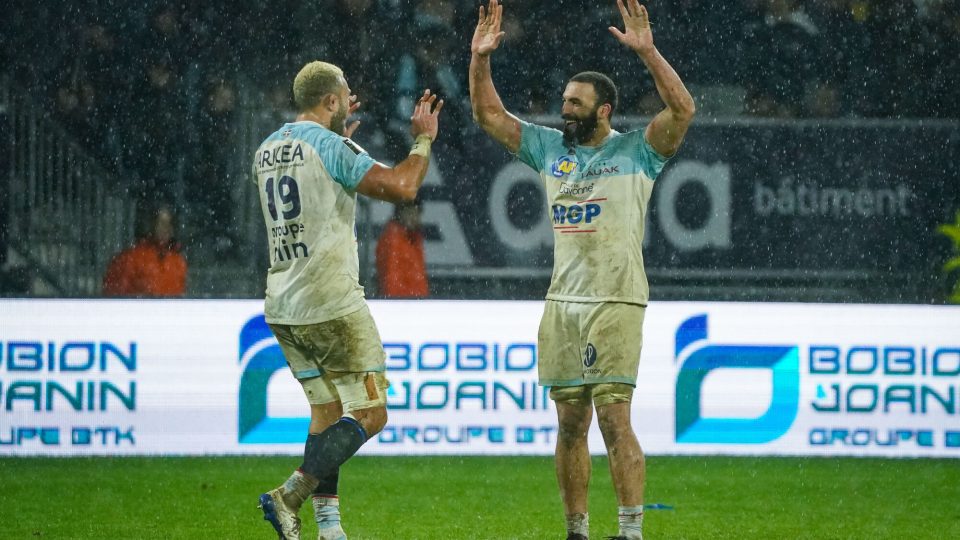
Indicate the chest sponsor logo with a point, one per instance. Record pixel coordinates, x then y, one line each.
574 189
602 171
563 166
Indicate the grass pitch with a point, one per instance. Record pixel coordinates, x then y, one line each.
475 498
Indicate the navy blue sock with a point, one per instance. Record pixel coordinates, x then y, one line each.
328 485
324 453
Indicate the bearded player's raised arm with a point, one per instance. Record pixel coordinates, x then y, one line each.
668 128
488 110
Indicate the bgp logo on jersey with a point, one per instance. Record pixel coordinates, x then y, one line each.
563 166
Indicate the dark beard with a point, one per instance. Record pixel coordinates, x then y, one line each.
582 130
338 123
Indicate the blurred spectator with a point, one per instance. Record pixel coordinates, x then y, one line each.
210 165
430 65
845 43
154 137
401 268
361 33
153 266
430 62
784 52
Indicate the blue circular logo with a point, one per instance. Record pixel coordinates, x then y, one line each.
563 165
590 355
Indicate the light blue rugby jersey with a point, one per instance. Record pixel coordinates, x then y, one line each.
306 176
597 199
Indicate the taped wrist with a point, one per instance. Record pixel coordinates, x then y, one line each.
421 146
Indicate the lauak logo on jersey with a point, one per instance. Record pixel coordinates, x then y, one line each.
693 427
563 166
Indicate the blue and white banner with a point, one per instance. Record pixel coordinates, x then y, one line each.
189 377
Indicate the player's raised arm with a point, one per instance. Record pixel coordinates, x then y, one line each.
488 110
401 182
667 129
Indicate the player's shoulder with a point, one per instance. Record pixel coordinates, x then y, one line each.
631 136
545 135
631 140
547 130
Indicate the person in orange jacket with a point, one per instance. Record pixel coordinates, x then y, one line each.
153 266
401 269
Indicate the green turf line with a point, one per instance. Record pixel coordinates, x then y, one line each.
475 498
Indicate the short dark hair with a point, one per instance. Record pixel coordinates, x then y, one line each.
146 218
602 85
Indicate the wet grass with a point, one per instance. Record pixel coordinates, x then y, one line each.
482 498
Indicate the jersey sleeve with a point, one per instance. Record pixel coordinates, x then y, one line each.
534 141
346 161
651 162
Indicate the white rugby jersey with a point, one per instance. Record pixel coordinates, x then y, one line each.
306 176
597 199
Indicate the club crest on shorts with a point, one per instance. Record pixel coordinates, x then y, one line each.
589 355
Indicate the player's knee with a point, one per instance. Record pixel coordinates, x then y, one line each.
373 419
573 412
364 397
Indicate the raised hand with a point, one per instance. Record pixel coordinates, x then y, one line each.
352 126
425 116
487 36
636 22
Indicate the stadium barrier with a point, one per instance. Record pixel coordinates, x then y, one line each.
65 214
168 377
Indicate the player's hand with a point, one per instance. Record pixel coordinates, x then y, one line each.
425 116
487 36
636 23
352 126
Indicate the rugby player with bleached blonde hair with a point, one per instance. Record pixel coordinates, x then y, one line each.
308 174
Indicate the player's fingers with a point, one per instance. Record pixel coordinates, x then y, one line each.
425 104
623 10
351 129
482 16
436 110
644 16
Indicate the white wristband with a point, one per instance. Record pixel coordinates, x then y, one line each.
421 146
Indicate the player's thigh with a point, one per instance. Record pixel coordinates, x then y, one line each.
612 339
348 344
558 345
304 365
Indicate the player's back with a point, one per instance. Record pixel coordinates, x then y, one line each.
306 176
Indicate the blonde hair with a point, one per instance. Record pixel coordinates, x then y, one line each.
316 80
